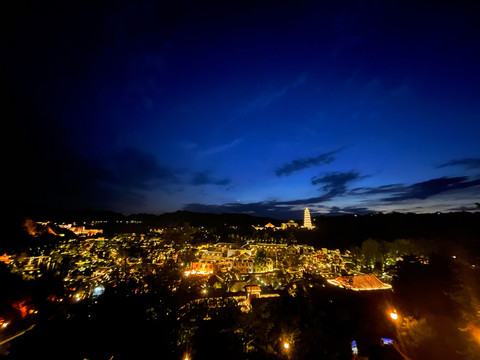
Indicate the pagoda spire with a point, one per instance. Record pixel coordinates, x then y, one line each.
307 221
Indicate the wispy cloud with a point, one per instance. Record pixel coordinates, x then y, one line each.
426 189
420 191
222 147
383 189
469 163
335 183
442 195
304 163
336 210
273 208
267 98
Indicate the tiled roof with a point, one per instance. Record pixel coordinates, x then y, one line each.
362 282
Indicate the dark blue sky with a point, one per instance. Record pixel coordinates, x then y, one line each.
224 106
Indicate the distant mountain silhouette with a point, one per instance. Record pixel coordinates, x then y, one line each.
180 217
176 218
331 231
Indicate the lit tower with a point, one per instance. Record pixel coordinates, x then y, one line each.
307 221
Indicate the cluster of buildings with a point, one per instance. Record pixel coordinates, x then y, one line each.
307 224
250 258
87 263
90 262
81 230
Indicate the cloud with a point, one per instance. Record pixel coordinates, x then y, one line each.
464 208
284 210
335 183
221 148
134 169
267 98
335 210
204 178
469 163
300 164
421 190
426 189
271 208
383 189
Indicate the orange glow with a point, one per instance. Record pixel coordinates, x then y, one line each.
3 323
23 308
475 331
50 230
30 227
5 258
198 272
394 315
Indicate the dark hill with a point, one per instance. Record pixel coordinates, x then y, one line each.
181 217
331 231
347 230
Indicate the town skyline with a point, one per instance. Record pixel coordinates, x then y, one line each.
381 286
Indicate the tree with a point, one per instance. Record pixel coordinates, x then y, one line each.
371 253
260 260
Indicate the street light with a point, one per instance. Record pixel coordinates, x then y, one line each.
286 348
397 343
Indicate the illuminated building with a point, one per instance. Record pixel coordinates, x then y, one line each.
289 224
307 221
268 226
366 282
82 230
5 259
200 268
244 266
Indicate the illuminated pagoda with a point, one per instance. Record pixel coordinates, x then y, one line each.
307 221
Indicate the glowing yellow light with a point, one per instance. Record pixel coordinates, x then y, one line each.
475 331
394 315
286 345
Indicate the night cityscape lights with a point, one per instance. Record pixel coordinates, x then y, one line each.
268 291
241 180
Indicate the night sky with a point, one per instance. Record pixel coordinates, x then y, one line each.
259 107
